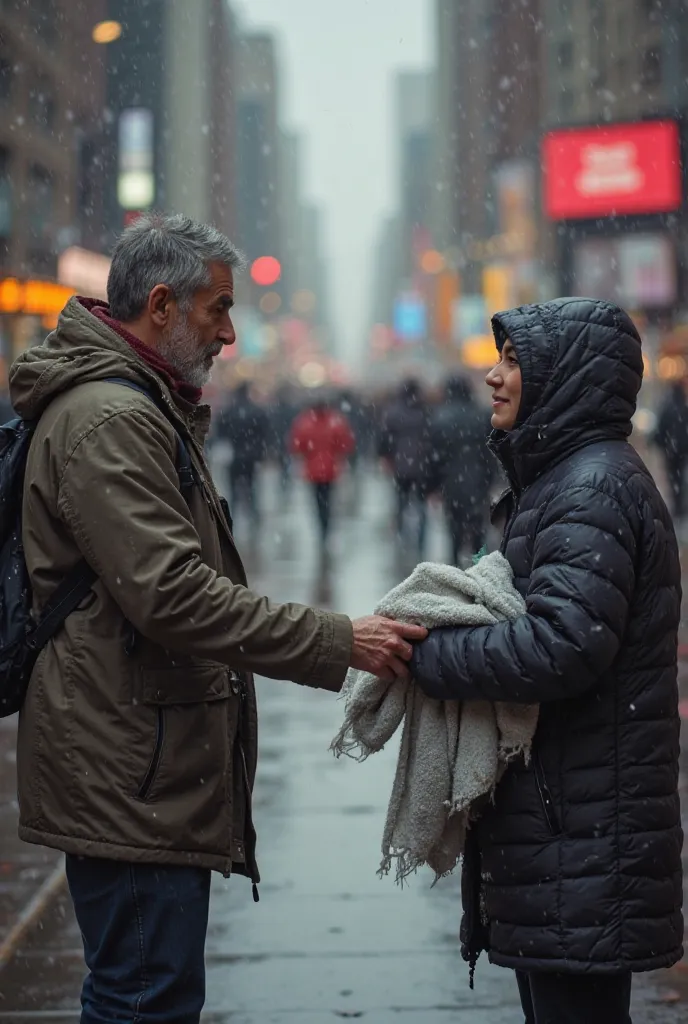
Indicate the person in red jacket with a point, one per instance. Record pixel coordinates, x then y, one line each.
324 439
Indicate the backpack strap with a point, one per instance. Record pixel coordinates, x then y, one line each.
185 469
69 594
66 597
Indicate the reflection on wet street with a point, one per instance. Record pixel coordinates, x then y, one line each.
329 940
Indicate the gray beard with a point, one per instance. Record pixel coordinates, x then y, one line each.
180 347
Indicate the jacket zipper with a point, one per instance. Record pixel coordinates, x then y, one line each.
149 779
546 798
251 837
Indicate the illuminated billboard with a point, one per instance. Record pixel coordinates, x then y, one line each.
612 170
135 182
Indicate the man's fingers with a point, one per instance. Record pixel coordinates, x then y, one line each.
413 632
399 668
401 648
408 630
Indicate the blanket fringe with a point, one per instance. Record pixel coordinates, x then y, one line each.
344 743
406 864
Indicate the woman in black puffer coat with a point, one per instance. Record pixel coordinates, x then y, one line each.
573 875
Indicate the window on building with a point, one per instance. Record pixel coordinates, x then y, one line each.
565 54
651 68
6 73
650 9
565 103
43 14
5 194
41 200
42 106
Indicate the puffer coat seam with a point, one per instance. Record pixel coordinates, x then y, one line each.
561 840
618 881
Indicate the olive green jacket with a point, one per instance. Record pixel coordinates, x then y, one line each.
138 737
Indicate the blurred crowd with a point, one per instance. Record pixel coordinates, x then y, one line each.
431 446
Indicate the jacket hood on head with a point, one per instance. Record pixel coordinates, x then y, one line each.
81 348
581 370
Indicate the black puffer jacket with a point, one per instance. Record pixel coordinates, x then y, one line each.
581 850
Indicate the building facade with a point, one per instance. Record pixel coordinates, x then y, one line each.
171 101
616 88
52 88
51 105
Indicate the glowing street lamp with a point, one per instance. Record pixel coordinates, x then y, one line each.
106 32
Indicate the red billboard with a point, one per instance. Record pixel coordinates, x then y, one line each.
612 169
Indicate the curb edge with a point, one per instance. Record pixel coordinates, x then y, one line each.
36 906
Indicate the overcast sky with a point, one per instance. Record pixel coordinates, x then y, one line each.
337 62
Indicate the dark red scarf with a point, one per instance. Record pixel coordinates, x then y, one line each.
169 374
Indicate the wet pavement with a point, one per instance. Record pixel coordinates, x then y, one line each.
329 940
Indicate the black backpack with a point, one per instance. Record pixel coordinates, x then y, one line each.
21 638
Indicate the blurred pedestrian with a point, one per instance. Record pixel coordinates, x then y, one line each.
244 425
281 414
405 445
572 873
323 437
137 741
465 467
671 436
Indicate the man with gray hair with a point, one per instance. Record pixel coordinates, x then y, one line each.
137 740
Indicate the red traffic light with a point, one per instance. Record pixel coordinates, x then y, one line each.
266 271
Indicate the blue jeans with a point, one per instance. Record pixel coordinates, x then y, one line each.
143 927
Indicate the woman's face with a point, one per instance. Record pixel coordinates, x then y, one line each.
505 381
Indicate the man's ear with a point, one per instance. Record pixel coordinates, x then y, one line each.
160 301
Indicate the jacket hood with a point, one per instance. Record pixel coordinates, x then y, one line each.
581 369
81 349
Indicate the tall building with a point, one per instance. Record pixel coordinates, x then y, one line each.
616 88
387 270
488 107
51 100
258 148
615 59
445 102
199 130
304 266
51 129
413 121
171 107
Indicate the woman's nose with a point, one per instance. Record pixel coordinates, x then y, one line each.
493 379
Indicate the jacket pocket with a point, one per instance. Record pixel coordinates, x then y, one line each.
187 711
149 778
183 684
546 800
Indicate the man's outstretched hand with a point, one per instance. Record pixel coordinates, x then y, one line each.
381 646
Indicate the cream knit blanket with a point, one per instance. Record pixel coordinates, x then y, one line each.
452 753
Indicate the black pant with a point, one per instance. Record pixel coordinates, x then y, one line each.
242 486
464 528
676 472
323 504
143 928
411 493
575 998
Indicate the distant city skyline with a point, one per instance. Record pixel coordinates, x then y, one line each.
337 81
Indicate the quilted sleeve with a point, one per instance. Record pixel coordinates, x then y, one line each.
577 604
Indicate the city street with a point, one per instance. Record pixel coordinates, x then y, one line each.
329 940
